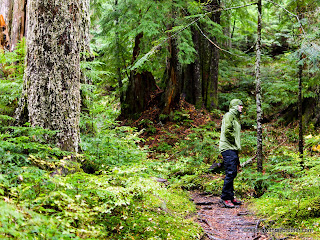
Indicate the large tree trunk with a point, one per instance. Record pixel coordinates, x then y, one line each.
140 87
173 78
211 91
51 95
199 80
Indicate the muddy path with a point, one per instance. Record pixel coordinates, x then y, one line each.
221 223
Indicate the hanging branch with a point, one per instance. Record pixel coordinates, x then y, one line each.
292 14
157 47
216 44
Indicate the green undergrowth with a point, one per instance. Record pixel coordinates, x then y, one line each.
291 198
107 191
120 204
286 194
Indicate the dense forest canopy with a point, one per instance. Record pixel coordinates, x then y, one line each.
110 113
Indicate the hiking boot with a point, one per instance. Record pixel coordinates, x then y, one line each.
236 202
227 203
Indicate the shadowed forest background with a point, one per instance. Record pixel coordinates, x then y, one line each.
110 114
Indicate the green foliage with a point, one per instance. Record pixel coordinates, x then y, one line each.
118 205
291 198
11 77
17 143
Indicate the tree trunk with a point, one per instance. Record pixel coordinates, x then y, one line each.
18 22
140 87
300 113
196 71
6 7
211 90
300 10
51 95
14 12
258 93
119 76
173 78
6 20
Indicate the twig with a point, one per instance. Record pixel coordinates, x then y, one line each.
248 161
216 44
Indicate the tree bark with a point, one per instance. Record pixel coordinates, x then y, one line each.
6 12
18 22
300 113
173 78
211 91
300 10
51 94
14 12
196 72
6 7
140 87
258 93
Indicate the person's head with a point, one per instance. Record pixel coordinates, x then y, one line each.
236 104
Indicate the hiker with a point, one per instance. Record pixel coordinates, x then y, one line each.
229 147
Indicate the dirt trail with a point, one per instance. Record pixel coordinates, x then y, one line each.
221 223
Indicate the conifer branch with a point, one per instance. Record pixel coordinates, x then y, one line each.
138 62
292 14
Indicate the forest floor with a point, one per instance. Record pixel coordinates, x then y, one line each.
171 135
220 223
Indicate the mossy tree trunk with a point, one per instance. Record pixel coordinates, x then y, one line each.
51 95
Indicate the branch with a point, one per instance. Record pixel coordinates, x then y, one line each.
296 16
216 44
153 50
248 161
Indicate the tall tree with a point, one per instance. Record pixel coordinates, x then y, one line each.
300 11
200 76
211 89
18 22
14 12
51 94
258 92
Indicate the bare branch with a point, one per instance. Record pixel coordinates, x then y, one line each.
216 44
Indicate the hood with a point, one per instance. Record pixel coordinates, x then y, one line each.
233 107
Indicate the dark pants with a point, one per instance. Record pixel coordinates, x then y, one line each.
230 161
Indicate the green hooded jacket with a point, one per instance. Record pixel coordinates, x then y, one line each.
230 128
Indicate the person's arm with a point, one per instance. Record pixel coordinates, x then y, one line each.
229 129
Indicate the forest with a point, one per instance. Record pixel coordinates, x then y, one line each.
111 111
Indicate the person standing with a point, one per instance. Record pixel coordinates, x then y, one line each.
229 147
